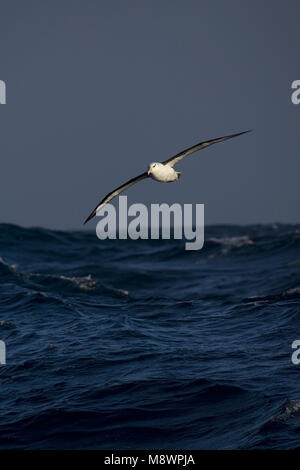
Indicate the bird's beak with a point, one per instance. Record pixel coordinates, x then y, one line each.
149 171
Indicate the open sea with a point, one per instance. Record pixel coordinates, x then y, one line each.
122 344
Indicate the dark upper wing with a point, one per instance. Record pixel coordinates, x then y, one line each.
114 193
173 160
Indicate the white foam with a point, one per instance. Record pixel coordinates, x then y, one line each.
11 267
84 282
295 290
227 243
292 407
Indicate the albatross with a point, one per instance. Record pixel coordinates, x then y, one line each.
161 171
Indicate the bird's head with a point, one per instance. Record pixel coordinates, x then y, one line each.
154 168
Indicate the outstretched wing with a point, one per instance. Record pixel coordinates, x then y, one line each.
115 193
173 160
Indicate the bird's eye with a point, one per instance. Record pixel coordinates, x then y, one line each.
154 165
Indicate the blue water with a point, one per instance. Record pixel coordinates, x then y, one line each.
141 344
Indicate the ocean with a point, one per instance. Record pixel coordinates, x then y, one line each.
122 344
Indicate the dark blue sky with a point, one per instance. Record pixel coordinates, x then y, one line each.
98 89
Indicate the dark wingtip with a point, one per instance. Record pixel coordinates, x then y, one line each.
90 217
246 132
240 133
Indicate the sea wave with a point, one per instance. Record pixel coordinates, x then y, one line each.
118 343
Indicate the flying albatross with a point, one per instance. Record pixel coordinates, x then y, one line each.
163 172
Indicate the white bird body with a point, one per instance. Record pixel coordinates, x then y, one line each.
162 172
